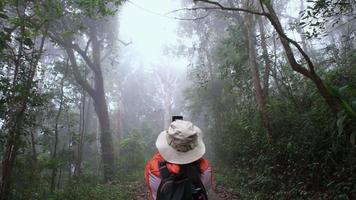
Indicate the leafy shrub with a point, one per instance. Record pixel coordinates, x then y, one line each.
131 158
85 191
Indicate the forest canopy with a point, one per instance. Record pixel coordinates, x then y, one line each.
270 82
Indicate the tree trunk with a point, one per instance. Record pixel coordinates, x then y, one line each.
266 75
253 60
120 124
70 137
253 65
54 155
59 178
98 145
266 58
101 109
106 142
167 110
98 95
16 126
83 116
167 85
8 161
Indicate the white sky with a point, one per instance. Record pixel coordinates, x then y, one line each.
143 22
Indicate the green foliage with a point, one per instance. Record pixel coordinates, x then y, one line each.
232 54
131 158
309 153
324 12
95 8
344 89
298 163
84 191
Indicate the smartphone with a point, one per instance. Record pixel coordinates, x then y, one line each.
177 117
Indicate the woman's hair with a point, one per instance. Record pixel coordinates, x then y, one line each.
191 171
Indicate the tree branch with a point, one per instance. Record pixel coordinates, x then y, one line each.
299 68
125 43
87 46
278 28
262 7
84 55
67 43
81 81
221 7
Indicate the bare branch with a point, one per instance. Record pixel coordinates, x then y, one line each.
185 19
288 17
165 15
125 43
218 8
211 2
221 7
262 7
192 19
87 46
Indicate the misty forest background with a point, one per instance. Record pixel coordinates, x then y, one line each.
270 82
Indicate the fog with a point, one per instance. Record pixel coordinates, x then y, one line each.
145 24
86 87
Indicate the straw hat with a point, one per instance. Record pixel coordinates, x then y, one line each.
182 143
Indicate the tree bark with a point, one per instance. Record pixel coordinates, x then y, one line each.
83 116
54 155
253 65
266 58
107 148
266 75
97 93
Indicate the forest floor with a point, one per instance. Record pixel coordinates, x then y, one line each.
217 193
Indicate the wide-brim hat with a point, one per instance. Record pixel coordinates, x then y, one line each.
182 143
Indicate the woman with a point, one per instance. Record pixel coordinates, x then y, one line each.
180 152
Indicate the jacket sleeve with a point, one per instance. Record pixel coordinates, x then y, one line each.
206 175
151 180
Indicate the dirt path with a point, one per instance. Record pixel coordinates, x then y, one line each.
218 193
222 193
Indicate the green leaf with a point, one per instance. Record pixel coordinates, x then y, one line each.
348 108
333 91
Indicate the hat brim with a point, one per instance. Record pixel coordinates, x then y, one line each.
173 156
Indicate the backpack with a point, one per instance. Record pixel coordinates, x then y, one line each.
182 188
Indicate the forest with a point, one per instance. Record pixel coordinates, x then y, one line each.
271 83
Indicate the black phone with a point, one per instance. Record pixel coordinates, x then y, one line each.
177 117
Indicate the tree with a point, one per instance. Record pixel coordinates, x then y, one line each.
167 85
23 46
308 71
64 31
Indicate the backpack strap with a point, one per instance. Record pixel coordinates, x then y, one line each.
163 170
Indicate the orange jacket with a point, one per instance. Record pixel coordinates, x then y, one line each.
152 174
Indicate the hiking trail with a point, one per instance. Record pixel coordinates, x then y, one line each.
217 193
